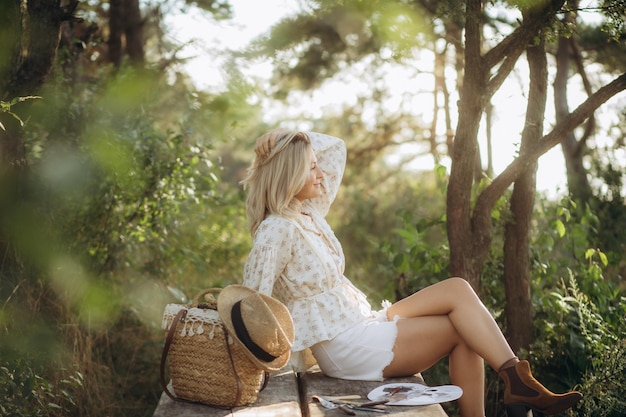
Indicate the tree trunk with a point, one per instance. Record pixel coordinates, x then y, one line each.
489 139
469 231
518 310
31 43
573 149
134 32
11 146
439 88
125 32
32 54
464 242
116 31
10 43
42 35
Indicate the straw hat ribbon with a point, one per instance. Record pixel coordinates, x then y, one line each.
261 324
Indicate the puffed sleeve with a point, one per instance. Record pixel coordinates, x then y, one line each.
271 251
331 158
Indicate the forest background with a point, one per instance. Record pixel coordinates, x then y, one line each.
119 179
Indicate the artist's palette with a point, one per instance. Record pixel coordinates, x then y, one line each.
414 394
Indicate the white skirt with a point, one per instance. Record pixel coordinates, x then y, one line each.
361 352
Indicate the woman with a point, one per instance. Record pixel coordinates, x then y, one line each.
297 259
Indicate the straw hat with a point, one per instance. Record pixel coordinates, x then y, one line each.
262 325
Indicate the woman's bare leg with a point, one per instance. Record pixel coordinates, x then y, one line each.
448 319
467 370
456 299
423 341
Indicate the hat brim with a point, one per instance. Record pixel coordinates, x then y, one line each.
230 295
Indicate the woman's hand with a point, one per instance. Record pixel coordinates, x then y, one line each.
264 145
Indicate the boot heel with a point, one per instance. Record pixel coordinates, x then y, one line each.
516 410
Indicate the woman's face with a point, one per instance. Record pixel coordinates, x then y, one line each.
313 186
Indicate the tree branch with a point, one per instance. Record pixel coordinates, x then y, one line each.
488 198
580 67
514 44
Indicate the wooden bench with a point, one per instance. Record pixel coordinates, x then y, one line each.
289 395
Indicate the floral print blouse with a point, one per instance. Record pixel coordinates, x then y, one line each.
301 263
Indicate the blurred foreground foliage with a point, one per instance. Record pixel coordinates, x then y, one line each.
121 212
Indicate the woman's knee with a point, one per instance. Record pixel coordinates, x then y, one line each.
460 285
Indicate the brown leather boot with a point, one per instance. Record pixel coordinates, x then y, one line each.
523 392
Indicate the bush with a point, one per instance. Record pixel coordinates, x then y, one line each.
579 313
580 345
26 393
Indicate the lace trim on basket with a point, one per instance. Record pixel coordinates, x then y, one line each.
197 322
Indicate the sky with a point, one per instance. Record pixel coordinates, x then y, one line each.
253 18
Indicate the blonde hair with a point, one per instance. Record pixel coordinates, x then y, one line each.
273 181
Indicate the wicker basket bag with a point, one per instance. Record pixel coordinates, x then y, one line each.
205 363
220 350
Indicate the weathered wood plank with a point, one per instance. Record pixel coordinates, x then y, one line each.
281 399
278 399
318 384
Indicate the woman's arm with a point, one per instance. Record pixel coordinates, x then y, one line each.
271 251
331 158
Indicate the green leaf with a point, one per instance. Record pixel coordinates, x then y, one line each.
24 98
560 228
441 171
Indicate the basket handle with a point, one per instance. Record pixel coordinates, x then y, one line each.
182 314
200 300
